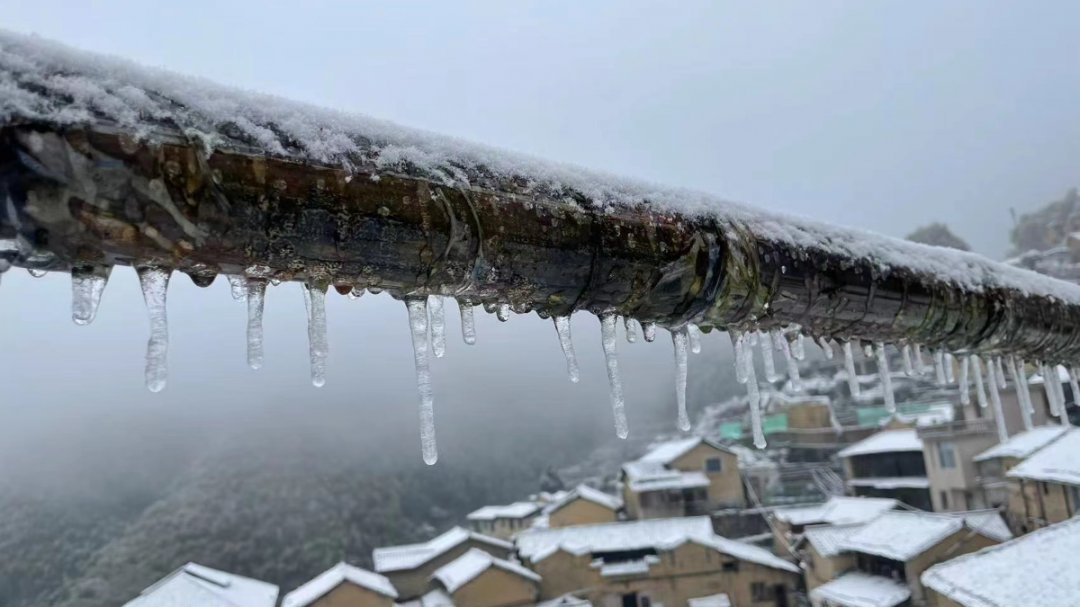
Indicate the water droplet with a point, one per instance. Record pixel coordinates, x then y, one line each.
356 293
315 303
36 273
87 285
155 283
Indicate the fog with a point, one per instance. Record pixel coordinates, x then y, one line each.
882 115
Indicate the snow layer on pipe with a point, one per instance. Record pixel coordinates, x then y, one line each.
45 81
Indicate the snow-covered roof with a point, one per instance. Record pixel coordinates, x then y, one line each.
1024 444
837 510
1058 462
517 510
588 494
470 565
433 598
194 584
892 482
641 480
1035 569
566 600
411 556
633 567
334 577
886 441
1062 372
902 536
667 452
858 589
828 540
660 534
713 600
44 81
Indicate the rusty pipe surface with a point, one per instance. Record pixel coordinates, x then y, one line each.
87 196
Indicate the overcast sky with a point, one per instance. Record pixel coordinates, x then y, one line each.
882 115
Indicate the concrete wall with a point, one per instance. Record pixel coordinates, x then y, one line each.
581 512
415 582
689 571
351 595
496 588
808 416
958 482
936 599
821 569
960 543
1036 504
725 487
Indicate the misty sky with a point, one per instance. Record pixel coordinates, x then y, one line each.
883 115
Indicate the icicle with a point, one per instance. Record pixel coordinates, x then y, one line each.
679 339
765 343
995 400
939 366
631 329
1025 408
256 294
886 379
618 407
849 367
562 327
980 388
356 293
36 273
438 325
798 346
738 341
648 329
155 284
237 285
950 369
502 312
753 395
468 322
965 383
920 367
909 369
1024 385
277 281
826 347
315 302
418 326
1063 413
781 344
868 350
87 285
999 372
1051 394
1074 385
694 333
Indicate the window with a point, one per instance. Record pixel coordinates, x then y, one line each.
730 566
944 500
946 455
714 464
1045 488
758 592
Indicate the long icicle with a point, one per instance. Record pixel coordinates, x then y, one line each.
753 394
679 340
980 387
965 381
256 295
886 379
950 369
562 327
738 342
1063 413
826 347
995 400
1000 373
418 327
939 366
781 344
611 356
1025 408
1051 400
87 285
849 368
315 302
437 318
905 352
631 326
155 284
1025 386
920 366
766 346
468 322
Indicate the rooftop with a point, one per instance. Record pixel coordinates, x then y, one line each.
667 452
334 577
1035 569
828 540
470 565
857 589
891 482
517 510
1057 462
194 584
837 510
1024 444
411 556
714 600
886 441
902 536
589 494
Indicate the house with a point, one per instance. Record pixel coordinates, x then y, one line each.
949 450
685 477
788 523
410 567
477 579
343 585
583 506
992 464
655 561
194 584
504 521
889 464
1045 488
824 557
1035 569
894 548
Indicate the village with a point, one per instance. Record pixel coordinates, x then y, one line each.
946 502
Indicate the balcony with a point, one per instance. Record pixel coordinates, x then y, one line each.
957 428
